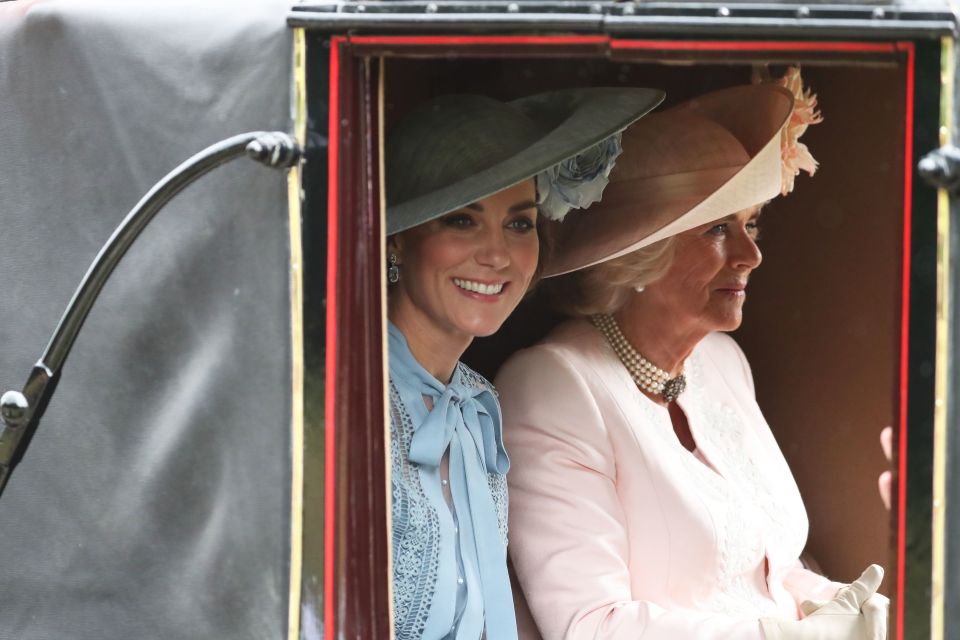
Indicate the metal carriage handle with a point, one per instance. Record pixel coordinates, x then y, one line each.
20 411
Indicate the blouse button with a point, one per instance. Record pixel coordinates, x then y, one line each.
444 482
459 580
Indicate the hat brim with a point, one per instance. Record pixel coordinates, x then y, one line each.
647 211
575 120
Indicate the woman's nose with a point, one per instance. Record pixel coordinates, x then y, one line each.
746 254
493 251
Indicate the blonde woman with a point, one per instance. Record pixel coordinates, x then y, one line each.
649 499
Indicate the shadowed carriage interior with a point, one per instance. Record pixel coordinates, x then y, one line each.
822 321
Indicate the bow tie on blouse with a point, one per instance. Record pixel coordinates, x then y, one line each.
465 420
458 406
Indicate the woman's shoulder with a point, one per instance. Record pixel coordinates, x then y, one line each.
554 391
572 340
572 359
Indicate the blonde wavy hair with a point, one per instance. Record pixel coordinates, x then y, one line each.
605 287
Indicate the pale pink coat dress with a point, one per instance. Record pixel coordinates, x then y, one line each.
617 530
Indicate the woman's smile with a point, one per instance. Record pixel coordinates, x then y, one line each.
735 289
479 289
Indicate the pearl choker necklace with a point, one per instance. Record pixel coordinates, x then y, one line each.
648 376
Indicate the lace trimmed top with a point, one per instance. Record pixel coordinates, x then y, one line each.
449 550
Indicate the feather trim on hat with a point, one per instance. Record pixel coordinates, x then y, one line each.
795 155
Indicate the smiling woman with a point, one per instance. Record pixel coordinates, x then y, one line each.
708 293
463 274
469 180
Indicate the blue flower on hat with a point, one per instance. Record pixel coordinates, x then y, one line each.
577 182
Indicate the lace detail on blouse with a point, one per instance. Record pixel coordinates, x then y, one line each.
752 513
416 525
742 551
497 482
416 531
498 489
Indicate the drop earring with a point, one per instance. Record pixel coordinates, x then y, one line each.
639 288
393 271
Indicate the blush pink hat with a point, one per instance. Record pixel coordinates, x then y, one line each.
680 168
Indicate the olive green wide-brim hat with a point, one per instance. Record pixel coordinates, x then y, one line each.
457 149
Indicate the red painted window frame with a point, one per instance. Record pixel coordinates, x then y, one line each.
345 50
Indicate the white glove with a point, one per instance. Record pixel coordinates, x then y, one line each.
875 610
857 612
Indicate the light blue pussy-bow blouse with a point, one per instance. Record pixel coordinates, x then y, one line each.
464 547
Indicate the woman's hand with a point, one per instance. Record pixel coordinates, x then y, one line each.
856 612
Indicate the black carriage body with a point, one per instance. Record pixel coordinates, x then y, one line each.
215 462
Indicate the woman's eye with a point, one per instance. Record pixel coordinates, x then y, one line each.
753 230
458 220
717 229
522 223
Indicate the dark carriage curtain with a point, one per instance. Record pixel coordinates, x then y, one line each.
154 500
